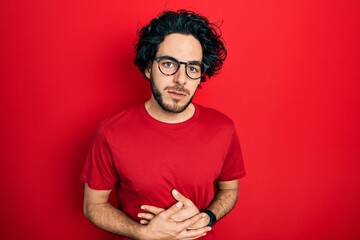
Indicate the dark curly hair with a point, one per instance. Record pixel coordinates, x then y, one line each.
185 22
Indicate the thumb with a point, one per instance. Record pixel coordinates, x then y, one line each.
178 196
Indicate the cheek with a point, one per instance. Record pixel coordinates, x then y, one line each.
194 87
159 81
149 72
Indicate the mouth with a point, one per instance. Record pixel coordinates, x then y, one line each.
179 93
178 90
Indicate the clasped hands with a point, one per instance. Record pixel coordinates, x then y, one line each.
183 220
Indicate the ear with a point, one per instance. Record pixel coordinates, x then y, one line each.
148 72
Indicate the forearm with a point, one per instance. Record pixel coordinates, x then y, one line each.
99 211
223 202
110 219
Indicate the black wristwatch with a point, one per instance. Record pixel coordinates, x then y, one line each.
211 216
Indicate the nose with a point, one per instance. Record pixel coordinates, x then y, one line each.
180 77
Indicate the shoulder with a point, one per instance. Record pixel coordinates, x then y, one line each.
213 115
123 118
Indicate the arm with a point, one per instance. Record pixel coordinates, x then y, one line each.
99 211
225 198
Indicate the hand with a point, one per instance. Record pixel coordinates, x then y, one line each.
188 210
162 226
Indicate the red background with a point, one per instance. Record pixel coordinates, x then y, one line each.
291 83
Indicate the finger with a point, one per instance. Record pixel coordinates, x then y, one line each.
144 222
152 209
172 210
203 222
147 216
191 221
178 196
190 238
194 234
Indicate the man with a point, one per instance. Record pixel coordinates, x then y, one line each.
174 164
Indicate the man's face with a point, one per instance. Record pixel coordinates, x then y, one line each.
174 93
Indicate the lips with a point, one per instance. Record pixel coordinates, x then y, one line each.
178 90
177 93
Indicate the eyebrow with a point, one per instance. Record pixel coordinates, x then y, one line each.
191 61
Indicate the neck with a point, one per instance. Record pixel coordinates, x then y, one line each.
157 112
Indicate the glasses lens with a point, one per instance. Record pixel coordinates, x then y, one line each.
168 66
195 70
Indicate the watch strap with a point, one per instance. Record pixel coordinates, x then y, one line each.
211 216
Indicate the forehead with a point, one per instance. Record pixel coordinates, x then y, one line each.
180 46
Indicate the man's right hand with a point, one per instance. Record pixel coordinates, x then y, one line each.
162 226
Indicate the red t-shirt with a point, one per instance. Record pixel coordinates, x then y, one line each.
145 158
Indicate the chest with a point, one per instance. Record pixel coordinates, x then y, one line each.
169 158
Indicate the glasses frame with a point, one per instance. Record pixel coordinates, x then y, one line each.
158 59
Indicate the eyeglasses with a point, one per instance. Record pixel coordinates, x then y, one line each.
169 66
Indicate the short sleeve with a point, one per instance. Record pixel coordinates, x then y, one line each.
233 167
99 171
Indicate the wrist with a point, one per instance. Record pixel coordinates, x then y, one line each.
212 217
141 232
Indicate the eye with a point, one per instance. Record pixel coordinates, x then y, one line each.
194 68
168 64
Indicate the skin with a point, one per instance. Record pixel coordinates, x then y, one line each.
183 220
